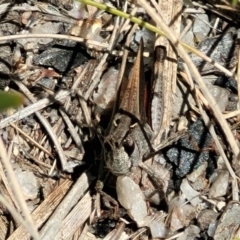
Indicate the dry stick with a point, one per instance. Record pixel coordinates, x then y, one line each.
48 128
7 185
84 107
45 143
22 113
17 190
175 236
238 78
219 146
235 190
214 11
224 7
125 54
207 121
16 216
74 87
96 76
84 232
36 160
72 131
31 140
67 120
231 114
189 77
185 30
53 225
82 101
56 36
82 74
137 234
115 234
125 9
121 22
76 218
210 127
202 20
157 7
6 7
214 30
44 210
158 31
215 109
127 21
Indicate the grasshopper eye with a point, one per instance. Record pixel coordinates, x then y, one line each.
129 146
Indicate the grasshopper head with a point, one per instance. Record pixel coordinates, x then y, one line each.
118 161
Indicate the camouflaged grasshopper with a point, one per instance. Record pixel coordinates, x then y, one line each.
130 136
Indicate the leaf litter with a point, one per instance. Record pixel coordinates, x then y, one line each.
55 142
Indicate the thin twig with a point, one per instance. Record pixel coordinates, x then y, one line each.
156 30
53 225
18 217
97 73
212 103
49 130
17 190
6 182
217 142
232 114
31 140
56 36
72 131
235 190
22 113
207 120
84 107
76 218
36 160
44 210
238 79
186 29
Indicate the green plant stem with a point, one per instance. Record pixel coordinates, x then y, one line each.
135 20
154 29
124 15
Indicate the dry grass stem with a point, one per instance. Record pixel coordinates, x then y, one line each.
207 121
72 130
55 36
218 144
44 210
98 71
18 218
212 103
39 105
49 130
238 78
53 226
232 114
76 218
31 140
7 186
17 191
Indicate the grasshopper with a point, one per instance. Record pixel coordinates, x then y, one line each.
130 136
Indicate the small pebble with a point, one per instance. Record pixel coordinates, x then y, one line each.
132 199
201 26
206 217
220 186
